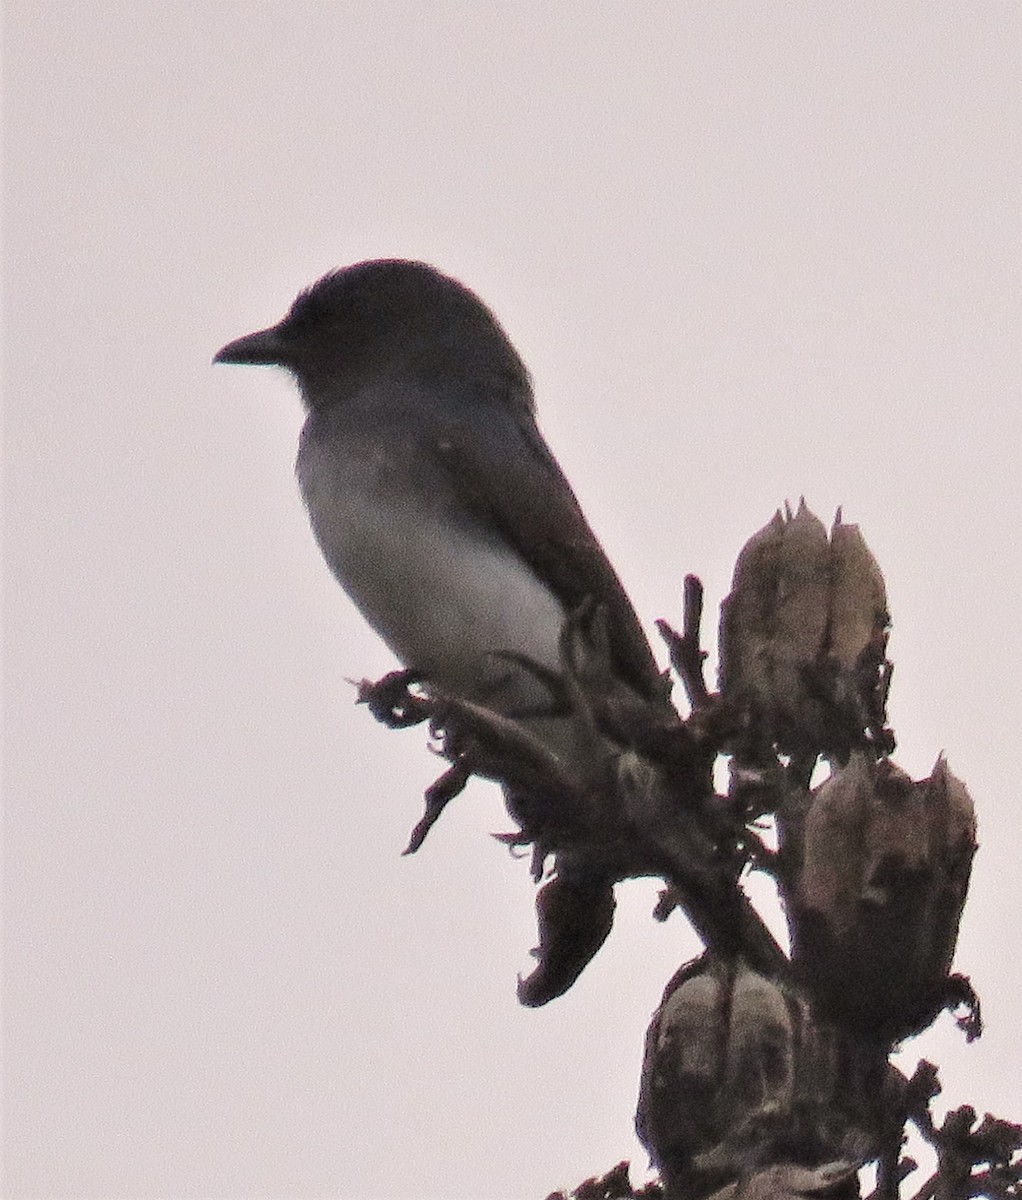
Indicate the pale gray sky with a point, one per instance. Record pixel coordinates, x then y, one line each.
749 251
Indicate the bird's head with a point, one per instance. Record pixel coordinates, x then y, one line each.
376 318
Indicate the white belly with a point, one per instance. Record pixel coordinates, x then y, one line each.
442 594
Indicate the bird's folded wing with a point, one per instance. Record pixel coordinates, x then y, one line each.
534 508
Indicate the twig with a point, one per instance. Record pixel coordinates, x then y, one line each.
687 658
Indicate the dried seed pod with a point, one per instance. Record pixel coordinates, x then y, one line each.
737 1075
874 914
803 635
690 1100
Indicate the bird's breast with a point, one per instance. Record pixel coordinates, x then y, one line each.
438 584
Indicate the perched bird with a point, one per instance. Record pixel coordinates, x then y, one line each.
432 494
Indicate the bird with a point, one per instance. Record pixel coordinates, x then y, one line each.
434 498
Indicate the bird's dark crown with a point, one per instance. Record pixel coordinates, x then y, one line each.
384 286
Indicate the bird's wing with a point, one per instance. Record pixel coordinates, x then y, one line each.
498 462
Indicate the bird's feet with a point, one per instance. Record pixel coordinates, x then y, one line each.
392 701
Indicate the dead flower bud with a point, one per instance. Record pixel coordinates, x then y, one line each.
879 895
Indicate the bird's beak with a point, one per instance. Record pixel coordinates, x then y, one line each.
266 346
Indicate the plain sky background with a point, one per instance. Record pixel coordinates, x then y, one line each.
749 250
